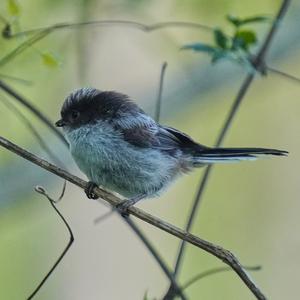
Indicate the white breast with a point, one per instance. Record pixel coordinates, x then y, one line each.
109 161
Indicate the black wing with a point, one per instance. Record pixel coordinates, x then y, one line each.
182 139
160 137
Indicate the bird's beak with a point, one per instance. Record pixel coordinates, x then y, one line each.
60 123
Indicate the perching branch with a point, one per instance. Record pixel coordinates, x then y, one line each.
219 252
258 63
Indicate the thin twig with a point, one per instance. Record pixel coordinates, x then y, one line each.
71 240
283 74
25 102
16 79
258 63
42 191
104 216
160 90
213 272
219 252
97 23
41 33
12 107
23 46
153 251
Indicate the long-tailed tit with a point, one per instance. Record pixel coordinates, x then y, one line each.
119 147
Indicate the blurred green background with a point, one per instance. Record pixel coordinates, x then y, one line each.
250 208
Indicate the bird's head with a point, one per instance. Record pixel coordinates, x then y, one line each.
87 106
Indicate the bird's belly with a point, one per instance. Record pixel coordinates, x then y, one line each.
118 166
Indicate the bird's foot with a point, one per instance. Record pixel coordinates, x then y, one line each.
89 190
123 206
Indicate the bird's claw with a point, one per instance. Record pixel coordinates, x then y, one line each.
122 208
89 190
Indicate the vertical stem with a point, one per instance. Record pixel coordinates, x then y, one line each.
160 90
258 64
158 259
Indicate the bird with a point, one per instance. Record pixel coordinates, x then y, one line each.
122 149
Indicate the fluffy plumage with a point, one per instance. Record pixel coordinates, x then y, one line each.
119 147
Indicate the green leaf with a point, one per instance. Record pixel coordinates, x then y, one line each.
237 22
244 38
50 60
13 8
249 36
220 38
234 20
23 46
256 19
199 47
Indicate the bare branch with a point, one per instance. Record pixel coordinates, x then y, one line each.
71 240
105 23
41 190
160 90
16 79
283 74
222 254
213 272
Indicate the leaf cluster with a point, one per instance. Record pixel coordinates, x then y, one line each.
236 47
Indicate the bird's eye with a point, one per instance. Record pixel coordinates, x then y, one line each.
75 115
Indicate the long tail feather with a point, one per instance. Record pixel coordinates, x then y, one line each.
219 155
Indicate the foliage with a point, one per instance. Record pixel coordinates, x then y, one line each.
14 11
13 8
236 48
